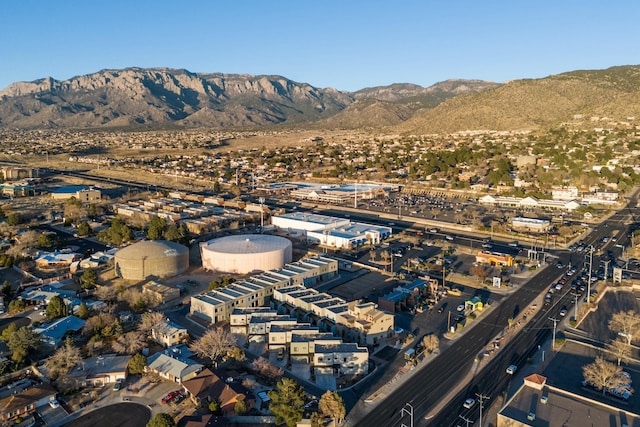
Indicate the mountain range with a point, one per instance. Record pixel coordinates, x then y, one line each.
167 98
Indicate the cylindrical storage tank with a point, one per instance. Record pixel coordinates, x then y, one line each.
151 258
246 253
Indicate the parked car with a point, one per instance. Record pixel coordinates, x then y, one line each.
460 307
172 395
54 403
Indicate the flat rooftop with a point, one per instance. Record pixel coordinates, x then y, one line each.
562 409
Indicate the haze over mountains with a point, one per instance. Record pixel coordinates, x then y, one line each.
161 98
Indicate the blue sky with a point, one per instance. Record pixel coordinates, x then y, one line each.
345 44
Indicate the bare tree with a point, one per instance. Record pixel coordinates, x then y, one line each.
148 320
430 343
479 272
267 369
620 349
331 405
625 324
106 293
605 376
63 360
215 344
129 343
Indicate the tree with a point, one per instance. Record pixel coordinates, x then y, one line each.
7 291
620 349
14 219
63 360
240 408
22 342
157 227
214 344
83 311
83 228
479 272
430 343
56 308
286 402
625 324
605 375
149 320
8 331
331 405
137 363
46 240
214 407
89 278
267 369
17 305
129 343
161 420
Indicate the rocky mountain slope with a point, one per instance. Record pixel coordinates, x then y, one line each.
137 97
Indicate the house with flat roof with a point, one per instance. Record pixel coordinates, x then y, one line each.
99 371
169 333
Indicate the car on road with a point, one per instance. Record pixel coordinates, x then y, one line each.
442 307
460 307
563 312
448 237
511 369
469 403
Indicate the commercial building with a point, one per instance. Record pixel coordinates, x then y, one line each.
331 231
151 259
530 224
538 404
80 192
528 202
246 253
494 258
216 306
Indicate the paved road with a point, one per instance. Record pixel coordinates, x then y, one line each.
429 385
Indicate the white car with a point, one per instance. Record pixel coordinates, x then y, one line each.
469 403
461 307
54 403
511 369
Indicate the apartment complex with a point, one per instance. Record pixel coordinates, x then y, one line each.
216 306
302 342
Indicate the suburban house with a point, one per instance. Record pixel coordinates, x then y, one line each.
101 370
53 334
26 401
207 386
173 368
169 334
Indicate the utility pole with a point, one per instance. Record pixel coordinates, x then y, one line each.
481 399
449 321
576 304
555 322
467 420
409 412
589 284
355 196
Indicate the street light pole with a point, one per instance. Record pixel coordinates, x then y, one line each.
407 412
553 342
261 199
466 420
